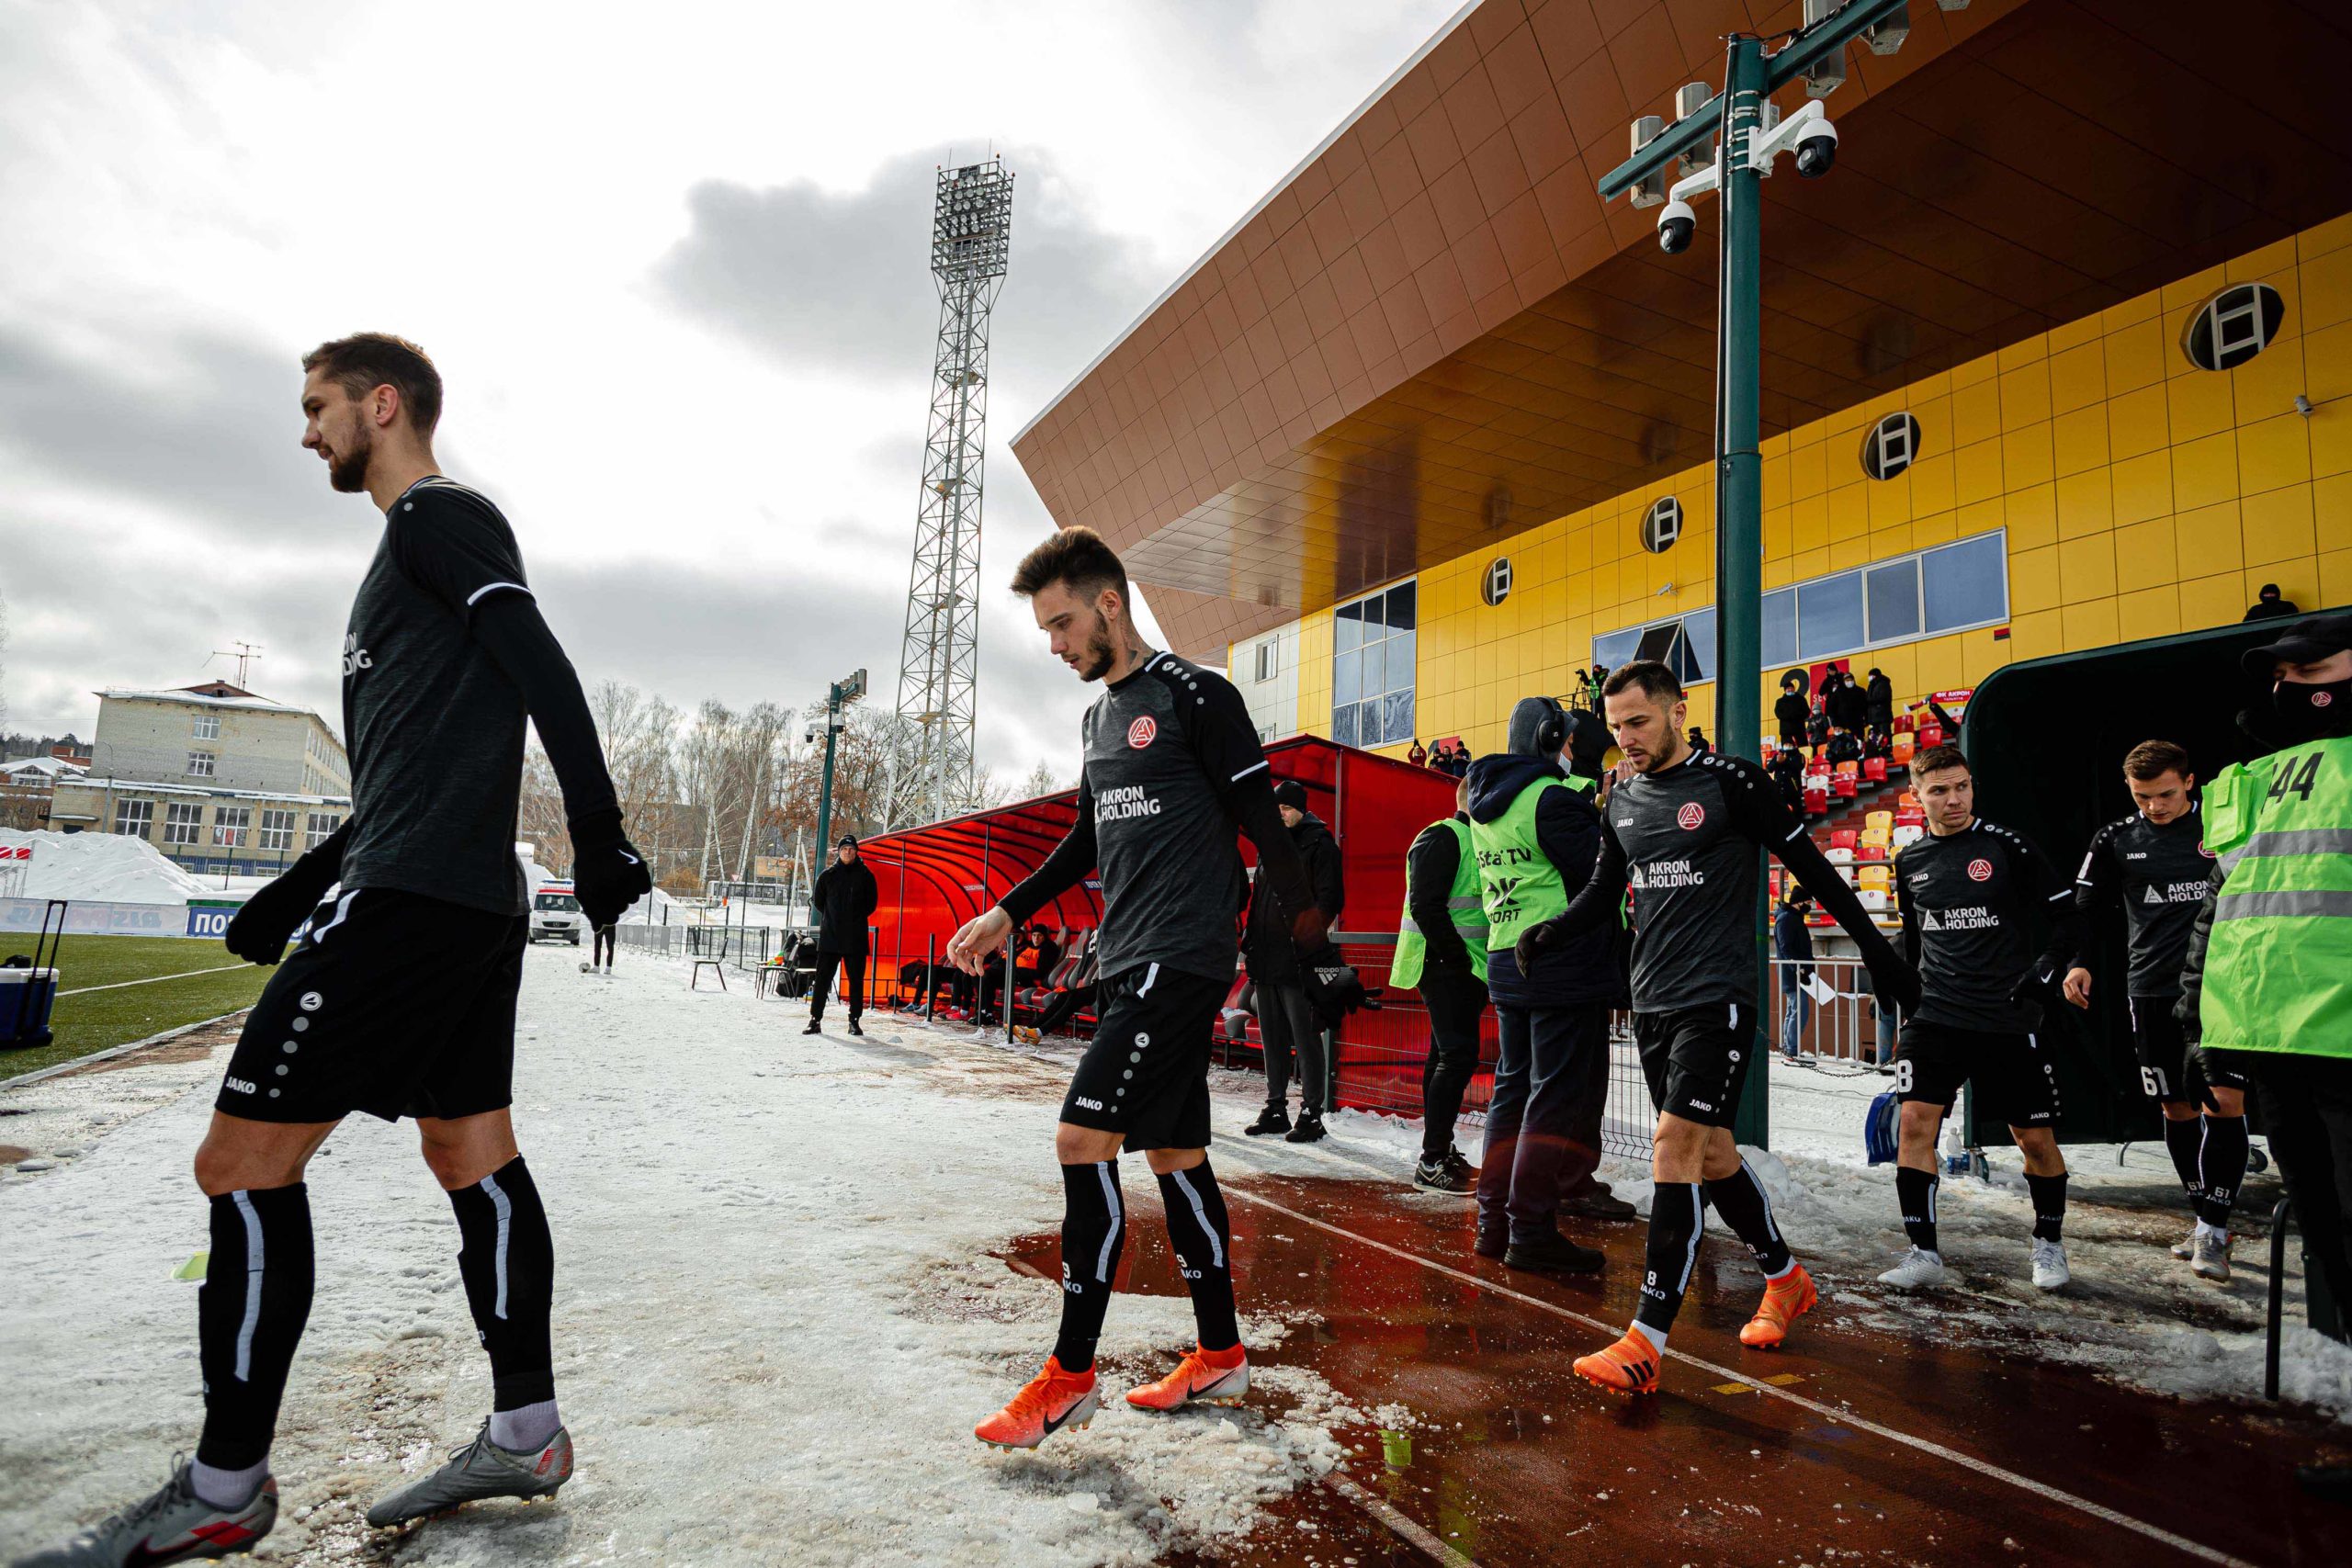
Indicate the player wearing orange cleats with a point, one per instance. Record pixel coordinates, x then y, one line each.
1629 1366
1204 1377
1047 1402
1786 1299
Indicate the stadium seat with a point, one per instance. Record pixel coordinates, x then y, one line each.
1905 748
1878 822
1878 876
1850 767
1909 835
1844 838
1903 724
1930 735
1817 800
1874 899
1846 786
1874 769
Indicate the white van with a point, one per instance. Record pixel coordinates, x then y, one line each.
555 914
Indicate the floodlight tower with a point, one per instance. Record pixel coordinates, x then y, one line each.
971 233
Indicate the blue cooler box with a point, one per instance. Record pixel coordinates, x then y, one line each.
26 997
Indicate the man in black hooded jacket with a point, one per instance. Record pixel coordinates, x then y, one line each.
1286 1018
842 901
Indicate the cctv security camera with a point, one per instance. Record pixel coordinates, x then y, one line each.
1675 224
1816 149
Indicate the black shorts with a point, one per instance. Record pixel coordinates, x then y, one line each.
2013 1073
392 1003
1696 1058
1146 1073
2169 1069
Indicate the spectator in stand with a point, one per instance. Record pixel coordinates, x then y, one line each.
1878 743
1793 945
1816 724
1880 696
1793 711
1699 742
1850 708
1845 746
2268 603
1787 768
1418 756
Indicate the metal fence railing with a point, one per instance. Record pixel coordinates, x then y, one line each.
1836 1020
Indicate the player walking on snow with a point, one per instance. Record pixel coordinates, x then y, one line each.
2155 863
1968 891
399 1001
1684 831
1171 766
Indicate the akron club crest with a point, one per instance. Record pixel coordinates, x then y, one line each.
1142 732
1980 871
1690 816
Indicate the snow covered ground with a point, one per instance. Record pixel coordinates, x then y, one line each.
778 1315
101 867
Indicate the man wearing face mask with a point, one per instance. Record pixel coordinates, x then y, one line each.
2267 984
1536 835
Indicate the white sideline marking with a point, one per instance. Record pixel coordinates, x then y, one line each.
1844 1417
152 979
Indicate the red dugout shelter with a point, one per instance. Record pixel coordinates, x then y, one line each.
932 879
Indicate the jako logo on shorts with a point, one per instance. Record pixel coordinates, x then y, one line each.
1142 731
1690 816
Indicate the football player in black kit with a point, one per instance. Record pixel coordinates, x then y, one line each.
1684 831
400 1000
2155 864
1969 892
1171 767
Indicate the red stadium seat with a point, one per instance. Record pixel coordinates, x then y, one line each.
1846 786
1930 734
1874 769
1903 724
1844 838
1871 851
1817 800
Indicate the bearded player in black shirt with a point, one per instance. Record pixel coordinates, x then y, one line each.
1684 831
1969 893
2155 864
400 1000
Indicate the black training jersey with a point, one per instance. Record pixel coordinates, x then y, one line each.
1688 836
2160 876
1969 902
434 727
1168 750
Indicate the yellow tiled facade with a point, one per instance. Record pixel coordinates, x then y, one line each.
2141 496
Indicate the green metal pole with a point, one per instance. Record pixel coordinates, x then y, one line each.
825 795
1739 482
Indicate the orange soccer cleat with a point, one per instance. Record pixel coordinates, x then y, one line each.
1210 1377
1629 1366
1785 1300
1047 1402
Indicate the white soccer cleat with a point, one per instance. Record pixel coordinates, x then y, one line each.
2210 1255
2049 1271
1918 1270
2186 1248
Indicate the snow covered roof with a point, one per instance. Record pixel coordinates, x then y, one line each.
48 767
192 698
149 786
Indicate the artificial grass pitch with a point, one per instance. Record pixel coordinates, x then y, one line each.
177 994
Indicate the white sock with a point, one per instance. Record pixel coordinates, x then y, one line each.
2203 1229
525 1430
1656 1336
226 1488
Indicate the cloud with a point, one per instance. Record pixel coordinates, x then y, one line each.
818 279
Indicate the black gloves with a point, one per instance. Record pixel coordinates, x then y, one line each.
1535 940
607 874
1333 989
257 932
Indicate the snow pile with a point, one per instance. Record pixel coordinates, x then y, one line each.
101 868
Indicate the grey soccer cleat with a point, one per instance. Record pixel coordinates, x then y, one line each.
2209 1257
1918 1269
2186 1248
173 1525
481 1468
2049 1271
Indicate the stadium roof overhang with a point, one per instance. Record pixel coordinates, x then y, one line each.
1434 334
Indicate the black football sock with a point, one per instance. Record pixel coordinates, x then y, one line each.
2220 1166
507 1260
2182 1140
1915 1190
1094 1224
1676 1220
1202 1236
1741 1199
2049 1193
249 1316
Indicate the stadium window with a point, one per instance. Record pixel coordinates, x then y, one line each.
134 817
199 764
1780 627
1829 615
1268 660
1684 644
229 825
1615 649
1891 446
1965 584
207 727
2234 326
277 830
1661 524
1495 586
1891 598
1374 643
181 823
321 825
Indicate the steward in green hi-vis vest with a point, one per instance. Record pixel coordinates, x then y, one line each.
2277 972
1518 885
1463 905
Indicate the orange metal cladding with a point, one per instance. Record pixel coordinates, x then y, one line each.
1434 334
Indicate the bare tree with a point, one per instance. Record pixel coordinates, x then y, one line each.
1040 780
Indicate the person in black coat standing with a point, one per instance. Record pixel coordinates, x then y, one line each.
1880 696
1849 708
1792 711
842 901
1286 1018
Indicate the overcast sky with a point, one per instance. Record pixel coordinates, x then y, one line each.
672 262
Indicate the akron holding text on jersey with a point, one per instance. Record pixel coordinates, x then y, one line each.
1128 800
